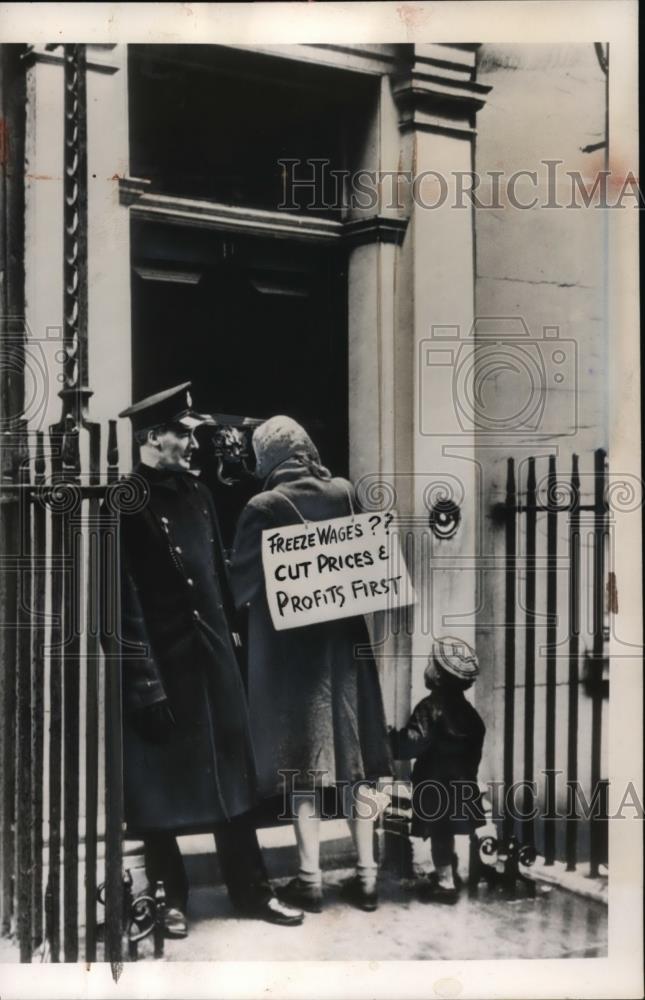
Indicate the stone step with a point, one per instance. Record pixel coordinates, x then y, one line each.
278 845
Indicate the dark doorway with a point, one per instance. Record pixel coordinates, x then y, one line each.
257 325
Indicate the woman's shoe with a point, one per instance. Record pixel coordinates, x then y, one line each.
353 891
306 895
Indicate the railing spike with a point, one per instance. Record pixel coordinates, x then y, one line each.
112 452
39 463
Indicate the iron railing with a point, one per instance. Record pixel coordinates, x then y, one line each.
550 524
63 789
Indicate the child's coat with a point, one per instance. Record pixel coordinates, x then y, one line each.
446 735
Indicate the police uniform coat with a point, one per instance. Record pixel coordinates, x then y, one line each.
314 705
175 620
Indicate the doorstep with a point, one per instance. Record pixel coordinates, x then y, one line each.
279 850
278 845
397 852
411 856
577 881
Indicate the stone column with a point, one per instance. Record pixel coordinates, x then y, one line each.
377 383
77 291
108 237
437 98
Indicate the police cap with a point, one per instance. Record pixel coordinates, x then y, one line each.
171 406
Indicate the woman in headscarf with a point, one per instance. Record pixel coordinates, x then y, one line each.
315 706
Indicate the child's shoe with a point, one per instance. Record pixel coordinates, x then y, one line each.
431 891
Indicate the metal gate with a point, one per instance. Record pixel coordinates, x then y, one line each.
60 696
556 601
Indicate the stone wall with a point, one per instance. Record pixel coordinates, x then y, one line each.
541 273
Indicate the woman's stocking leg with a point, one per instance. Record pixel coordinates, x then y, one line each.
306 824
362 831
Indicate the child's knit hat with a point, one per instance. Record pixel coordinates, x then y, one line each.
454 656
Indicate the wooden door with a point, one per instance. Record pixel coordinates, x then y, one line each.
257 325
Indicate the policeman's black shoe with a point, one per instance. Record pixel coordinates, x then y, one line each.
431 891
353 891
274 912
175 923
302 894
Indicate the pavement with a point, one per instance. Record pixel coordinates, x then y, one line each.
555 924
558 922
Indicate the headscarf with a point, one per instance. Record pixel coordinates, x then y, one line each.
279 439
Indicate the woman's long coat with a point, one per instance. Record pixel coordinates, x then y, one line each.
176 610
314 705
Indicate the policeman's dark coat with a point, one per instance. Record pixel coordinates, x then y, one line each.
445 734
175 616
314 704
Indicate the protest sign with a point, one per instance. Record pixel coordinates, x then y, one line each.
323 570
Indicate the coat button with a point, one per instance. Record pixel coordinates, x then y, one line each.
204 511
178 549
196 615
190 582
164 520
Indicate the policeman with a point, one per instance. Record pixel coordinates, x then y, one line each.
188 760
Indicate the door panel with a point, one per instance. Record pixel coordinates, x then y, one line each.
258 326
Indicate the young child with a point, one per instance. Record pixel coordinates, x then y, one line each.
445 734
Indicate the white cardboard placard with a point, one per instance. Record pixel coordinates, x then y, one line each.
339 568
